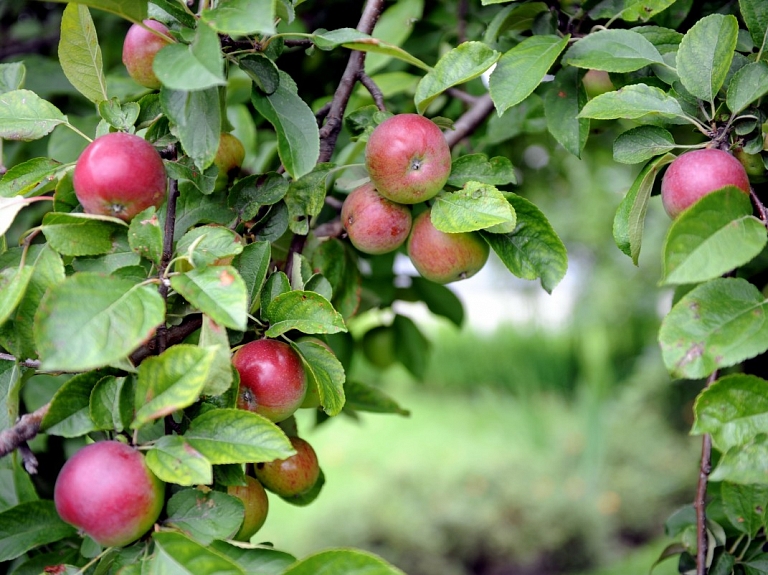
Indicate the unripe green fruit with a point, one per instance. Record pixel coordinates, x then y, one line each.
292 476
379 346
597 82
753 164
229 156
256 504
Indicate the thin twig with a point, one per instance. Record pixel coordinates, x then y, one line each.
174 335
25 429
31 363
760 206
700 504
170 226
375 91
470 120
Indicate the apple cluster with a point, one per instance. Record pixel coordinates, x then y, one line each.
409 161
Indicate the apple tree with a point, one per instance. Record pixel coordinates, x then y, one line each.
188 241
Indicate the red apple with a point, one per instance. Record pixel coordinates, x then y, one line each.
292 476
107 491
408 159
374 224
256 504
139 49
697 173
442 257
229 156
119 175
273 382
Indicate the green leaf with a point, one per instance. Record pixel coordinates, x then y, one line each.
12 76
346 561
26 116
205 515
252 192
192 67
119 116
712 237
635 102
411 347
439 299
177 554
18 534
747 85
174 460
562 103
354 40
10 384
171 381
745 505
613 51
513 19
242 17
133 10
497 171
30 178
643 9
145 235
217 291
630 216
13 284
256 561
185 169
306 197
118 318
520 70
214 337
194 207
209 245
80 234
755 14
306 311
533 249
474 207
262 71
197 121
705 55
364 397
462 64
717 324
15 483
70 413
80 54
298 137
394 26
119 257
253 265
744 464
237 436
111 403
327 373
642 143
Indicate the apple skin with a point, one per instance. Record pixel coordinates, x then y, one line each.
107 491
273 382
374 224
256 503
292 476
753 165
119 175
597 82
139 49
697 173
444 258
379 346
408 159
229 156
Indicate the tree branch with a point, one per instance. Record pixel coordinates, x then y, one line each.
470 120
25 429
375 91
161 338
700 504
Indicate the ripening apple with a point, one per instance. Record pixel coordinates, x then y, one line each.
441 257
753 165
408 158
697 173
119 175
293 476
374 224
107 491
229 156
256 504
273 382
597 82
139 49
379 346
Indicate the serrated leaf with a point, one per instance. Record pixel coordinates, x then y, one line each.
630 216
185 169
250 193
194 208
145 235
214 337
744 464
237 436
18 534
355 40
197 66
217 291
205 515
13 284
111 403
32 177
80 54
171 381
745 505
347 561
256 561
327 373
755 14
26 116
80 234
133 10
177 554
498 171
298 137
12 75
364 397
520 70
642 143
9 208
242 17
643 9
305 198
253 265
173 460
306 311
197 121
562 103
118 318
262 71
635 102
613 51
747 85
533 249
705 54
119 116
712 237
457 66
209 245
69 414
394 26
475 207
715 325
